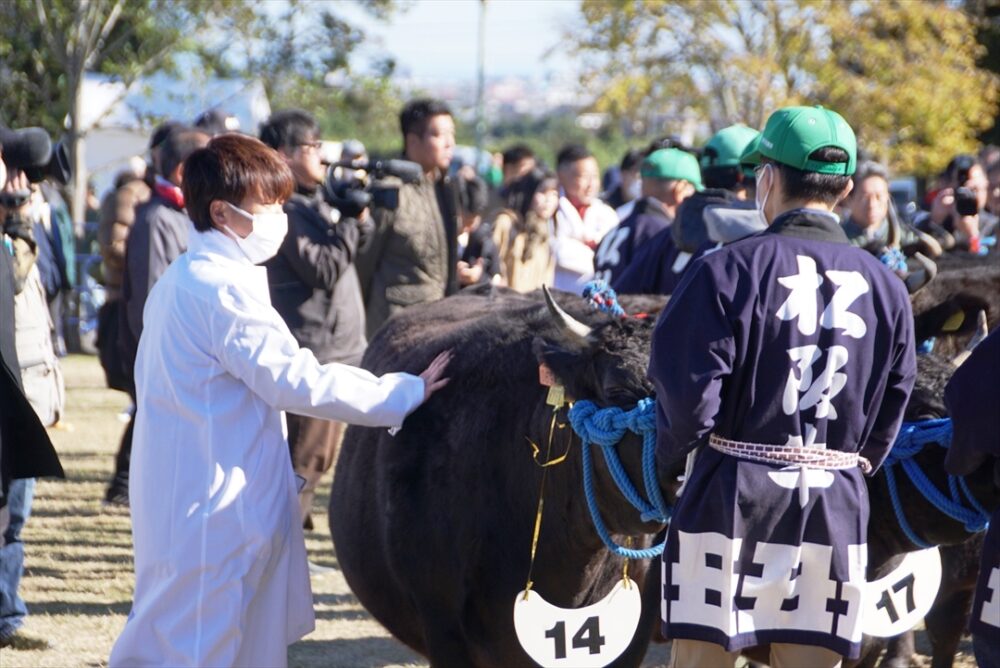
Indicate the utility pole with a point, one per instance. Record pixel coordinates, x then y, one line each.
481 86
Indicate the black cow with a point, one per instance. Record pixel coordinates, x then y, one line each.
433 526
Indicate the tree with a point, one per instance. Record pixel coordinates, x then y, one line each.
57 41
904 73
47 46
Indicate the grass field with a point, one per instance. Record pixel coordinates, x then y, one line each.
78 581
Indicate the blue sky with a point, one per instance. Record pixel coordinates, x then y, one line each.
437 38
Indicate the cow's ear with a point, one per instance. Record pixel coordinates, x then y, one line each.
568 365
957 315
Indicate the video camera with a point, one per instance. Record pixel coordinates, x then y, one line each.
30 150
351 195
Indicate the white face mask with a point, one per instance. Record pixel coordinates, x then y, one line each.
762 200
264 240
634 190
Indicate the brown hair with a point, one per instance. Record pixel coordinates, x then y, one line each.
230 168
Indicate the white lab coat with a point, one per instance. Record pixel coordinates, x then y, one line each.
572 238
220 560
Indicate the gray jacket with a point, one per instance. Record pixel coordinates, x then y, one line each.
158 236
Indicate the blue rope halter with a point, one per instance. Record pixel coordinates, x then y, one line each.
603 297
606 427
911 439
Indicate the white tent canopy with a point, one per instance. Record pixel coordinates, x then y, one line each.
119 120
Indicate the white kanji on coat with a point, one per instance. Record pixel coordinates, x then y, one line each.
803 392
802 305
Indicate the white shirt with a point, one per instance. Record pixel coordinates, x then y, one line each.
572 241
220 561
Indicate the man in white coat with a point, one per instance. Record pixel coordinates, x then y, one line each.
221 577
582 219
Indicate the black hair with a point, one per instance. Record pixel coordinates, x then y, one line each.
473 196
670 141
871 169
289 128
176 148
572 153
516 153
728 178
216 122
523 190
959 167
814 186
231 167
631 160
415 116
163 130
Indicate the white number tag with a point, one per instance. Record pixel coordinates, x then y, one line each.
588 637
896 602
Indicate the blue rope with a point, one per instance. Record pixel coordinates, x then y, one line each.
911 439
603 297
605 427
894 259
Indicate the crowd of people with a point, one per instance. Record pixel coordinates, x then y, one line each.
244 237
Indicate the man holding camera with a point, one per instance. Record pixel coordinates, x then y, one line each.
958 216
25 449
412 258
314 286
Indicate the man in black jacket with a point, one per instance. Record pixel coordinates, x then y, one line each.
314 286
25 448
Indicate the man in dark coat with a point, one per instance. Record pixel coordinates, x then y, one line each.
782 365
413 255
25 448
669 176
314 286
971 396
157 238
712 215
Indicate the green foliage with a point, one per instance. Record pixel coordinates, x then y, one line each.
904 73
548 134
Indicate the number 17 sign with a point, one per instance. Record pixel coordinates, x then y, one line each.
588 637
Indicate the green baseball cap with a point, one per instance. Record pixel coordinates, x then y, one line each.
672 163
793 133
726 146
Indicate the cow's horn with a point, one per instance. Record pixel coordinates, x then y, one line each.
982 331
921 277
565 321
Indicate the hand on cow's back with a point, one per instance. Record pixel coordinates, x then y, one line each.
433 376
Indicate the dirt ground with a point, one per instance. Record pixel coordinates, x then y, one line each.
78 582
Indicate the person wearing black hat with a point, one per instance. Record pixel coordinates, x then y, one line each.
25 449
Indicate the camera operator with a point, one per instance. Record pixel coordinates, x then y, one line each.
314 286
25 449
413 256
957 215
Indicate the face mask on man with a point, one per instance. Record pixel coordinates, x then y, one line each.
264 240
762 193
634 190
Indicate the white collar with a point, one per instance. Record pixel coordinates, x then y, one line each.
216 242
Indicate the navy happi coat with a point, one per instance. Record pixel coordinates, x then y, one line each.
971 396
619 246
787 337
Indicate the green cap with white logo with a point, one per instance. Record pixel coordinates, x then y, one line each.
672 163
726 146
793 133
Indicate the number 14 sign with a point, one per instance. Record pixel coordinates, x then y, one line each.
588 637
